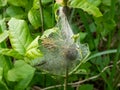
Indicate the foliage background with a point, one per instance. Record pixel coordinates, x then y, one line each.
22 22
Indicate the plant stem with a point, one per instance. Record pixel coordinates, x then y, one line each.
86 24
65 2
53 17
66 79
41 15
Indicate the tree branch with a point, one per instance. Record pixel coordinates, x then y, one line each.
82 81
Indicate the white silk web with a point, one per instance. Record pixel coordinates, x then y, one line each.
60 50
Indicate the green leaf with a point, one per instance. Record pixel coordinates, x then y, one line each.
16 12
1 73
95 2
19 35
2 25
10 52
86 6
22 3
3 3
86 87
3 86
102 53
106 2
5 64
22 73
46 1
105 24
48 32
3 36
32 50
82 36
34 18
36 4
47 18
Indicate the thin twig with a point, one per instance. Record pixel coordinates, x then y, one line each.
66 79
41 15
80 82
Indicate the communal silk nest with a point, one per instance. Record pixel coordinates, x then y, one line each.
60 51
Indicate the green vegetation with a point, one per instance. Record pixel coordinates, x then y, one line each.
36 55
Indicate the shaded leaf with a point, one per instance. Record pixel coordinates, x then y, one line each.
47 18
5 63
18 2
22 73
86 87
3 86
16 12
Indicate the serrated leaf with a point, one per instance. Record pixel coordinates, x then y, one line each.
16 12
86 6
3 36
32 50
22 73
19 35
10 52
34 18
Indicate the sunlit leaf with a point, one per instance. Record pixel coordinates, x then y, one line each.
86 6
19 35
3 36
10 52
3 3
36 4
2 25
34 18
32 50
48 32
46 1
95 2
18 2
